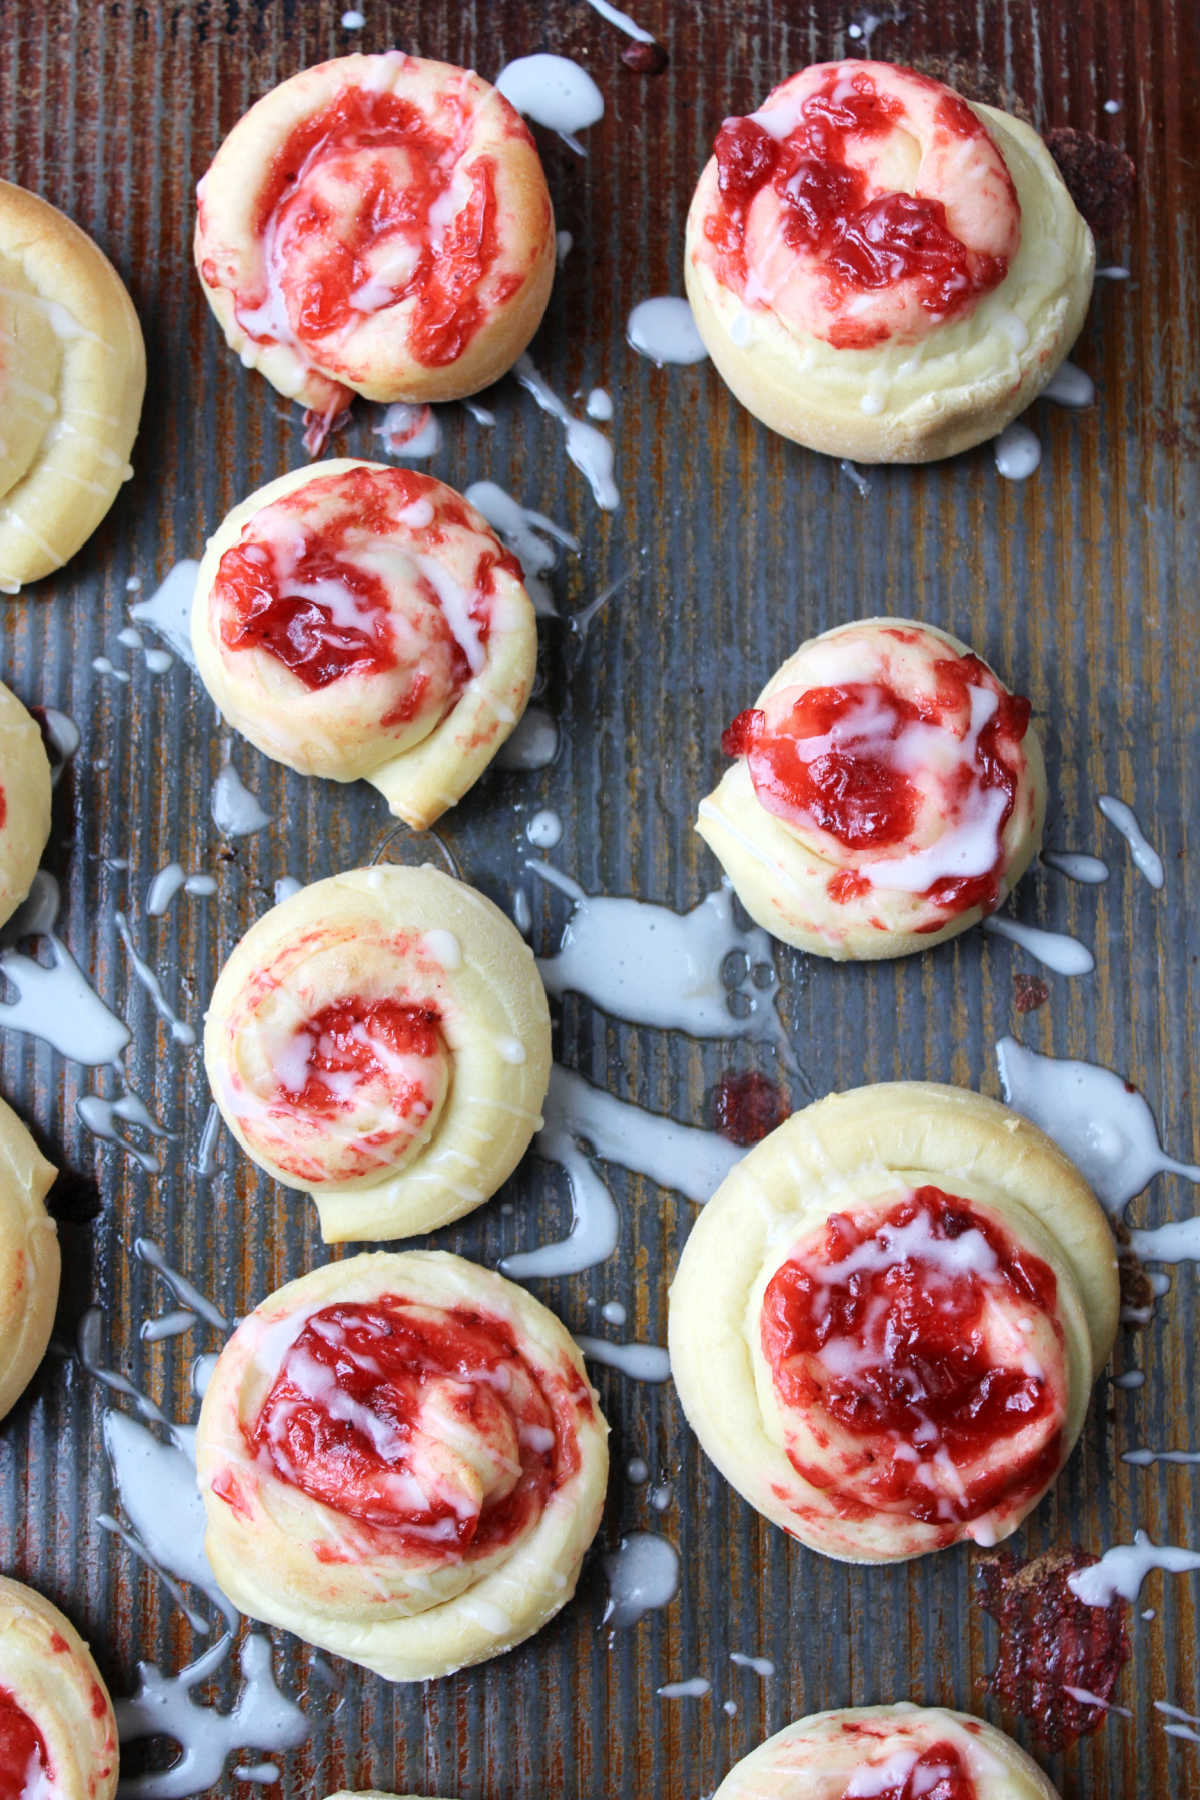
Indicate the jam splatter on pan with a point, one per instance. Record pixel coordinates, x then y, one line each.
748 1106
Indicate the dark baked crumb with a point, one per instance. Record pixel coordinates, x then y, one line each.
645 59
1137 1295
1029 992
1050 1641
1100 178
973 82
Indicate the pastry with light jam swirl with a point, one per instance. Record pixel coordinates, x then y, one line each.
401 1461
899 1752
382 1040
58 1736
880 270
364 622
887 1322
72 376
30 1265
24 801
377 225
887 792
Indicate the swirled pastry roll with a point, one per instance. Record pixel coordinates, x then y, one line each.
58 1737
29 1258
382 1039
377 225
887 792
72 375
880 270
887 1322
402 1461
24 801
359 621
899 1752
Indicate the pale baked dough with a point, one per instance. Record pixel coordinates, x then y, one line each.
257 277
383 1158
72 376
24 801
459 626
48 1670
417 1609
29 1258
863 1152
788 874
863 1750
906 401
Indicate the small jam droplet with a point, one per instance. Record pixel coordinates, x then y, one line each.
748 1107
645 59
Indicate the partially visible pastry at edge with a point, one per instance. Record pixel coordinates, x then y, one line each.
58 1736
899 1752
403 1462
377 225
382 1040
887 1322
359 621
880 270
887 792
29 1258
72 376
24 801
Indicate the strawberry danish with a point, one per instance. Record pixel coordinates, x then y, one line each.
360 621
377 225
887 792
382 1039
880 270
24 801
58 1736
899 1752
886 1324
29 1258
72 376
402 1461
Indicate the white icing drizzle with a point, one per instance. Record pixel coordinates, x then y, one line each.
1131 1378
168 611
531 537
1053 949
664 329
103 666
855 476
99 1114
533 743
182 1032
1122 1570
235 811
694 1688
1076 866
410 433
679 1157
552 91
1185 1727
544 830
599 405
641 1362
1145 857
637 1469
643 1575
351 21
168 882
1017 452
652 966
1105 1127
621 20
1085 1697
285 887
147 1251
564 243
1176 1242
1112 272
589 449
1069 386
167 1325
1143 1458
205 1162
56 1002
763 1667
613 1313
661 1495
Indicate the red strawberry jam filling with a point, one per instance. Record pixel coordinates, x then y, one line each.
357 215
24 1763
918 787
342 578
919 1348
824 161
423 1424
936 1773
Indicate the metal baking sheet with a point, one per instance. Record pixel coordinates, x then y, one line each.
730 546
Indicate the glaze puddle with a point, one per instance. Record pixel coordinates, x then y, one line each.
589 449
643 1575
